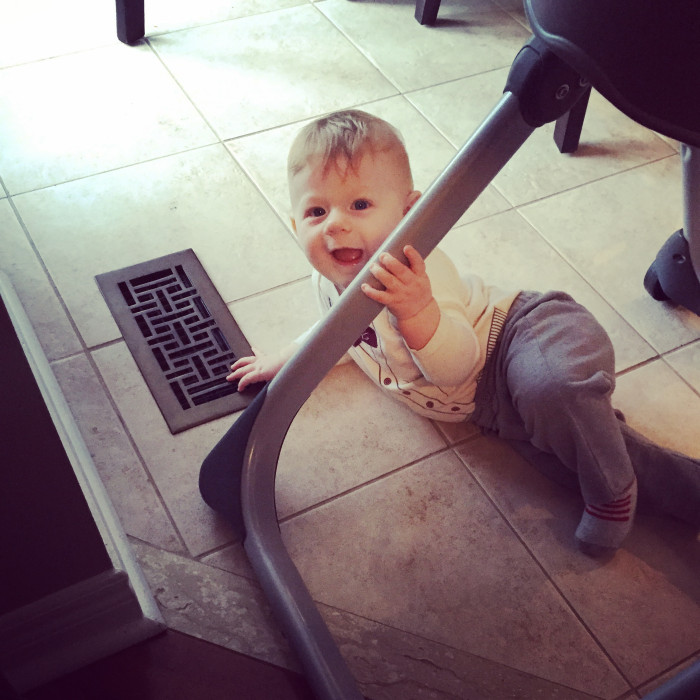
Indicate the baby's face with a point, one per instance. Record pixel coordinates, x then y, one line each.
342 216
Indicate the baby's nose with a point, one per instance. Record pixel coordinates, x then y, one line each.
336 222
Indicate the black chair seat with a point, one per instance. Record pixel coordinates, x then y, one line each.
641 55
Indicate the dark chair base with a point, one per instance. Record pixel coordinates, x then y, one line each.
427 11
567 129
131 25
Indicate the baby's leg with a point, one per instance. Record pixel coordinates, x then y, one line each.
668 481
554 386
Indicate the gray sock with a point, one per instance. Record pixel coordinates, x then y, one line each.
603 527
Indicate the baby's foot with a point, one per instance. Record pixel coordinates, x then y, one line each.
603 527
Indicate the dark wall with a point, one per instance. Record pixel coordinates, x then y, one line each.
48 539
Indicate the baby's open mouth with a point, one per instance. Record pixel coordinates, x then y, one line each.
347 255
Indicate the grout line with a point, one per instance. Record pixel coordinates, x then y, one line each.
284 221
279 287
687 382
582 185
116 168
359 49
185 94
639 365
364 484
43 59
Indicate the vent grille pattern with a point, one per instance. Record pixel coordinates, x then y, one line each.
182 334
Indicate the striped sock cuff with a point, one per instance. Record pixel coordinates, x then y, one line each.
619 510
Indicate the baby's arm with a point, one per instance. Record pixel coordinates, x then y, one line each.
407 295
260 368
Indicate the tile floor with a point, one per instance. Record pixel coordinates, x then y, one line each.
443 564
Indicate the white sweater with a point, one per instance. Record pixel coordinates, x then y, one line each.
439 380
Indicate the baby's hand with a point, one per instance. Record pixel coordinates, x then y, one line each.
407 287
250 370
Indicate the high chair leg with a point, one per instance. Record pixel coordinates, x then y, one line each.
427 11
567 129
130 20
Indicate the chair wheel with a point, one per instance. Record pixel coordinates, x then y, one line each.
653 286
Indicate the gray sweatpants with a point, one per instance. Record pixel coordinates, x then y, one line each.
547 390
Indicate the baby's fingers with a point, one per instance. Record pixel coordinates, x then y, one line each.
393 266
382 274
415 259
246 380
245 376
375 294
242 362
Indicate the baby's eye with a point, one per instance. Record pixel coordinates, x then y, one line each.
315 212
360 204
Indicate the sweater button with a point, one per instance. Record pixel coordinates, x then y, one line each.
387 381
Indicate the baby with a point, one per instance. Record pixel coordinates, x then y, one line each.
535 369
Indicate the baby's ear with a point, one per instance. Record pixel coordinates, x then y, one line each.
411 199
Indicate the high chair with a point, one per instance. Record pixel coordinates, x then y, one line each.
642 57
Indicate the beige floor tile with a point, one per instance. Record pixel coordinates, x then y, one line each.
660 405
89 112
686 362
19 262
479 37
128 485
516 9
611 231
259 72
272 320
173 461
231 558
199 200
346 434
38 29
506 251
610 141
457 432
642 606
264 157
416 551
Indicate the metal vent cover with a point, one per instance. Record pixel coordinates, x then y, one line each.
181 335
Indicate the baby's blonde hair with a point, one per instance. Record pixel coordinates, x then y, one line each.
343 138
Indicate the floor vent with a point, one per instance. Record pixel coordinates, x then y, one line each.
182 336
